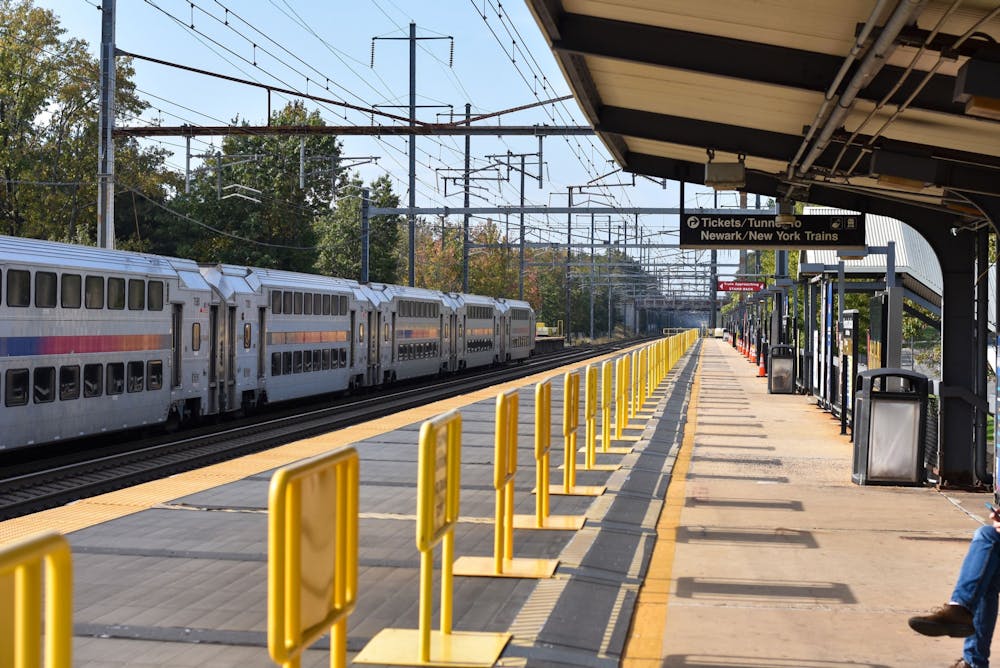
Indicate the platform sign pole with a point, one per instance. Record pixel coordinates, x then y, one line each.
438 487
503 563
312 537
21 568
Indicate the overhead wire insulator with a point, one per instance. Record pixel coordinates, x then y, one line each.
372 64
451 52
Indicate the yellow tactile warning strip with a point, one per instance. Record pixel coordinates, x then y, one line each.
113 505
645 639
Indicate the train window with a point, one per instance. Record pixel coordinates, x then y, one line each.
154 301
18 289
286 362
297 304
326 304
196 336
69 382
286 300
93 380
115 382
16 389
136 294
307 303
343 357
307 364
247 335
385 334
317 360
327 354
154 374
94 291
70 296
361 331
343 305
116 293
45 384
275 364
297 361
317 304
135 376
45 289
276 301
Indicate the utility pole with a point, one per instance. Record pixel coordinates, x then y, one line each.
569 259
106 126
365 233
412 200
411 219
520 253
593 267
465 216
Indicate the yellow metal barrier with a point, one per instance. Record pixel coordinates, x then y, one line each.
438 487
609 371
21 568
571 422
634 385
312 564
590 416
621 411
543 447
503 562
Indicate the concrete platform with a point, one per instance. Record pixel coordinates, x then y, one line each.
770 556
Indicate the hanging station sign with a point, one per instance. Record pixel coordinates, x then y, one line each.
740 286
763 231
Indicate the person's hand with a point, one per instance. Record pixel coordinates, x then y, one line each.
995 518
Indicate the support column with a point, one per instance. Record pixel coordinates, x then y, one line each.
106 126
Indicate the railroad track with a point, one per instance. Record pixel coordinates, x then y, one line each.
59 481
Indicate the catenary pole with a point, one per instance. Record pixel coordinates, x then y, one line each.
106 126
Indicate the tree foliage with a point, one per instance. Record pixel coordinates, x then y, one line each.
48 132
339 234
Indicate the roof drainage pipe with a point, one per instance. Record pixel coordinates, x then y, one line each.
905 13
831 92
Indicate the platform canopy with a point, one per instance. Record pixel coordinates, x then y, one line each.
859 104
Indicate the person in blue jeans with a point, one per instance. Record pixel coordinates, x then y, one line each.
972 611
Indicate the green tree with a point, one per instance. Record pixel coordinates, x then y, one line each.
48 131
339 234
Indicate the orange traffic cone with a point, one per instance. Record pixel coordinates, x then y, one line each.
761 371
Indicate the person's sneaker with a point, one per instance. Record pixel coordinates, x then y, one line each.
948 620
960 664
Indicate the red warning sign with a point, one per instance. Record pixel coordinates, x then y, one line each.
741 286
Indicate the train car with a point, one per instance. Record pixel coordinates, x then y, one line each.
94 340
414 322
297 334
518 329
478 331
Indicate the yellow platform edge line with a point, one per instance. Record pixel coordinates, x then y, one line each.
114 505
644 646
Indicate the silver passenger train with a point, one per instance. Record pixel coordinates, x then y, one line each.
95 340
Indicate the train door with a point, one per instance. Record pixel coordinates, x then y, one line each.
229 347
498 339
351 337
374 358
213 360
261 341
392 341
453 342
177 345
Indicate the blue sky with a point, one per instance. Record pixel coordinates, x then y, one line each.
325 48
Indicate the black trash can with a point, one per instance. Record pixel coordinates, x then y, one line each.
890 414
781 369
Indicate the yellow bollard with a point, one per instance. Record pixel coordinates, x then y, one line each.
503 563
543 446
571 422
438 486
312 538
609 395
21 568
590 415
